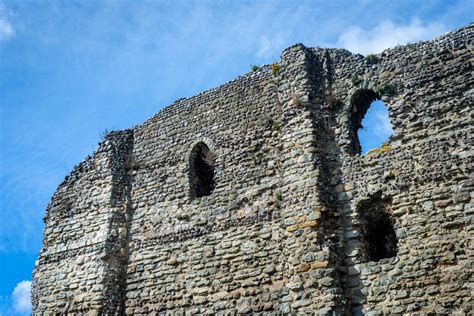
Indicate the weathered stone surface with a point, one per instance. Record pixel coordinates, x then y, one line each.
319 265
283 230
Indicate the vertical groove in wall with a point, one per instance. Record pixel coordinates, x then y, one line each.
324 112
116 257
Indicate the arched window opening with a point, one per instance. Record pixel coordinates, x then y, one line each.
376 128
201 171
377 229
371 126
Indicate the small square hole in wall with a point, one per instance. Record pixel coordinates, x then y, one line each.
201 171
377 228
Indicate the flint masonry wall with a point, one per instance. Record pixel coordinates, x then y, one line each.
426 173
78 261
283 230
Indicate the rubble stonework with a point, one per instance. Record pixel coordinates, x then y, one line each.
284 229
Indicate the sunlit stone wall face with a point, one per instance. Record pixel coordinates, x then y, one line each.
280 229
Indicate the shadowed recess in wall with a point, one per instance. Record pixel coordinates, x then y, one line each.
376 127
201 171
377 228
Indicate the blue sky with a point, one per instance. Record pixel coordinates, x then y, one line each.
376 127
71 69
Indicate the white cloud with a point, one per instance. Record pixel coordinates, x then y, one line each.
376 127
21 297
386 34
265 46
382 125
269 48
6 29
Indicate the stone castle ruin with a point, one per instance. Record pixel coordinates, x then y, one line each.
253 197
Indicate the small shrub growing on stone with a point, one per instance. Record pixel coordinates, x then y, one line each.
387 90
255 68
279 196
275 126
356 80
276 68
332 100
383 148
410 47
104 133
372 59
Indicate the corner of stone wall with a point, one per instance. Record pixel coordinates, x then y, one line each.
95 195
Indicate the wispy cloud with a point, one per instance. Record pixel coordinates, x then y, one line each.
387 34
376 127
382 125
270 47
6 29
21 297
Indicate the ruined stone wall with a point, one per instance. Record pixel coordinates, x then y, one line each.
426 172
254 243
76 267
283 230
